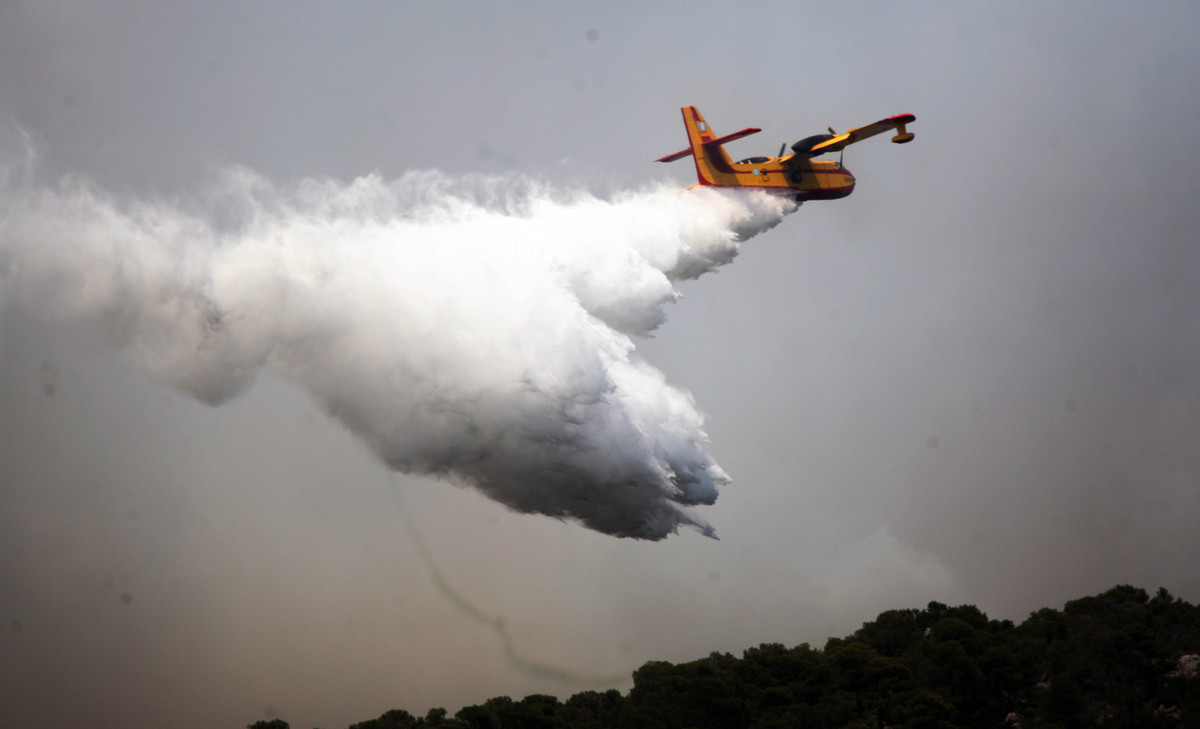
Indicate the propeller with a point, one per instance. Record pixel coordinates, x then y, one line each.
782 149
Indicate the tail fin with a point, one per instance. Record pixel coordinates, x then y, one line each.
698 129
706 146
698 133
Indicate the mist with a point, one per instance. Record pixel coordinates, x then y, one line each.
478 330
971 381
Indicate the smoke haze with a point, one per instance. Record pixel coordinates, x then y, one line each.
973 380
478 330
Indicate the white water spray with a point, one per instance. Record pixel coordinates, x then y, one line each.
478 329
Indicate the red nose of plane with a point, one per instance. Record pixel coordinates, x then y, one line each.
835 184
845 186
847 183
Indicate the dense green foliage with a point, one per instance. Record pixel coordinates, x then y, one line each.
1119 659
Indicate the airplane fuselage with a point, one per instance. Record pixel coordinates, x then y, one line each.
808 180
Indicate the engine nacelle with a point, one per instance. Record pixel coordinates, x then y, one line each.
806 144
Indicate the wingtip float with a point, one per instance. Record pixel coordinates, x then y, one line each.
796 175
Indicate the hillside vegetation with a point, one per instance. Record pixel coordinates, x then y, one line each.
1118 659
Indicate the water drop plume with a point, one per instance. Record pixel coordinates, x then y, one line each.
481 330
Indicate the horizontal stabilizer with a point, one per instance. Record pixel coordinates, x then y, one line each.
730 137
678 155
710 144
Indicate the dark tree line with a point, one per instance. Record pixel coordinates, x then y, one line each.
1121 659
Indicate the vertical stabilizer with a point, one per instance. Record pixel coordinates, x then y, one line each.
713 166
706 154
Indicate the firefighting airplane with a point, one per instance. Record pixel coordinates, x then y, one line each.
796 175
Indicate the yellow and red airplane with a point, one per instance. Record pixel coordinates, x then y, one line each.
796 175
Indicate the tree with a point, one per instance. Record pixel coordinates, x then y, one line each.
391 719
1120 658
894 633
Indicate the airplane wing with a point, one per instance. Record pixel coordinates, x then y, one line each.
841 141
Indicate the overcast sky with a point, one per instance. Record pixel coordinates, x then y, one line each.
972 381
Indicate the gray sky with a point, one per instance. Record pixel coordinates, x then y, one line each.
974 380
